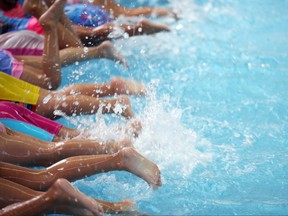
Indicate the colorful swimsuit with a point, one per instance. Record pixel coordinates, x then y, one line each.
13 89
23 42
27 128
9 110
86 15
80 14
10 65
16 12
16 24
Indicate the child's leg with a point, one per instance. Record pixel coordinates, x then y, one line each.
35 76
104 50
142 27
116 9
14 193
116 86
33 61
124 206
73 168
66 35
60 194
72 54
43 153
80 104
32 72
51 57
91 36
51 65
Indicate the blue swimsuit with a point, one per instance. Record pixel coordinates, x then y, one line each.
86 15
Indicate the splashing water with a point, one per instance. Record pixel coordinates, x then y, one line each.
215 119
165 139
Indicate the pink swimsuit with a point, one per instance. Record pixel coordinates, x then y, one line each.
13 111
22 42
30 23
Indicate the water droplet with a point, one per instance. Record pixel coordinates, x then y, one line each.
58 113
47 98
49 85
118 109
126 35
72 92
85 49
178 27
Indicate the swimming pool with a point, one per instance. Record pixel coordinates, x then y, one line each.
216 120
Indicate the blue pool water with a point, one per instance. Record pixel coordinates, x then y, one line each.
216 119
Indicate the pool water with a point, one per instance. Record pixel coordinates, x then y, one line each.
216 117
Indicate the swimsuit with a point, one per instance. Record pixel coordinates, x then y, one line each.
27 128
22 43
16 24
86 15
10 65
81 14
16 12
76 2
9 110
13 89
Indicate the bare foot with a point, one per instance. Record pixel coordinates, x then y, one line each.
147 27
124 143
117 207
64 192
140 166
134 128
121 86
165 12
123 107
107 50
113 147
51 17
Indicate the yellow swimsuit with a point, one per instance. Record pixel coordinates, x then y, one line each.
13 89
